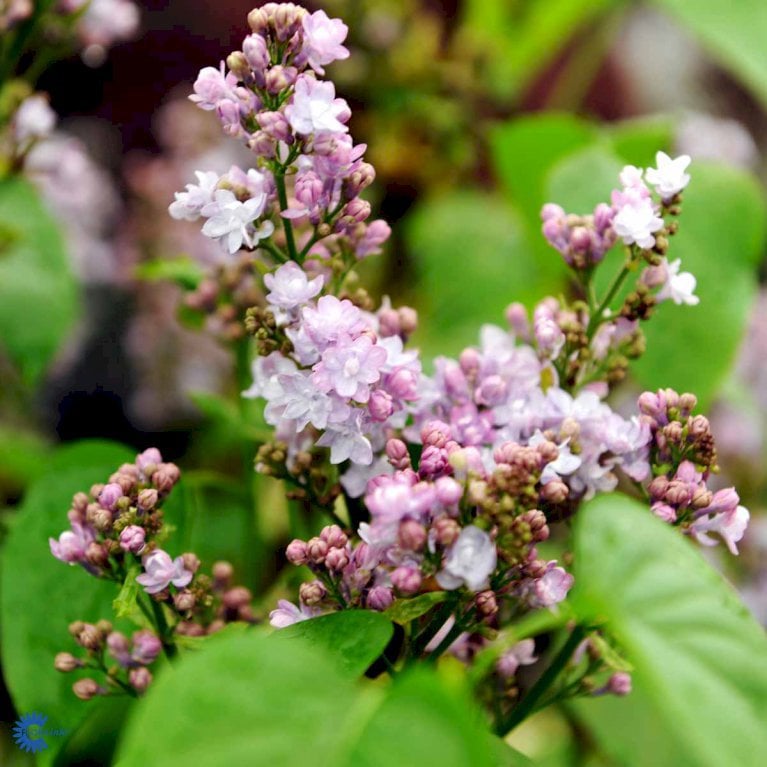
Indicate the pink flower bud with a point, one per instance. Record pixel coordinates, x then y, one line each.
397 453
184 601
148 461
487 604
296 552
140 679
449 491
380 405
336 560
402 384
146 647
65 661
379 598
334 536
411 535
312 593
133 539
407 580
619 683
316 550
85 689
147 499
446 530
109 496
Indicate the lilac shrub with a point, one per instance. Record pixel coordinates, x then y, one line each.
440 489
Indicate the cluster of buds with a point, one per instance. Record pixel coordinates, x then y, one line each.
582 240
123 662
683 454
120 519
269 95
224 297
212 602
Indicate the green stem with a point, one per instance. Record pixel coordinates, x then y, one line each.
162 627
528 704
597 318
282 195
460 625
419 642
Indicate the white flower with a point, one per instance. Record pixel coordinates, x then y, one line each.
347 442
231 221
669 178
636 221
34 119
315 108
679 287
470 561
188 205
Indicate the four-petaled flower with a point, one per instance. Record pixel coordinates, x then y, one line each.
161 571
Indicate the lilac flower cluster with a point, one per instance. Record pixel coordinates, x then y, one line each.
117 518
102 644
683 450
269 95
634 217
113 528
346 375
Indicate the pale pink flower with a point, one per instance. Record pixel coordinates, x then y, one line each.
161 571
669 178
322 40
315 108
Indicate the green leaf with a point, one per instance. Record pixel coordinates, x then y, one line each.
405 610
185 272
519 39
42 596
637 141
354 638
700 659
258 700
38 293
523 151
733 32
721 239
23 457
215 518
471 260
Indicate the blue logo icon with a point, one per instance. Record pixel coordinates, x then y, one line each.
28 733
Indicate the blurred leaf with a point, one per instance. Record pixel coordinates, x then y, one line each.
42 596
472 262
185 272
226 415
520 39
721 240
523 150
354 638
23 457
700 659
424 721
214 517
733 32
637 141
38 293
405 610
583 178
257 700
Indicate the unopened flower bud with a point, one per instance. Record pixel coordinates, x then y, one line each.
146 647
165 477
336 560
380 405
379 598
238 65
411 535
296 552
235 598
435 434
191 561
619 683
133 539
184 600
279 78
140 679
255 51
555 491
446 531
147 499
407 580
109 496
148 461
90 637
487 604
65 661
312 593
85 689
223 573
96 554
397 453
408 319
334 536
